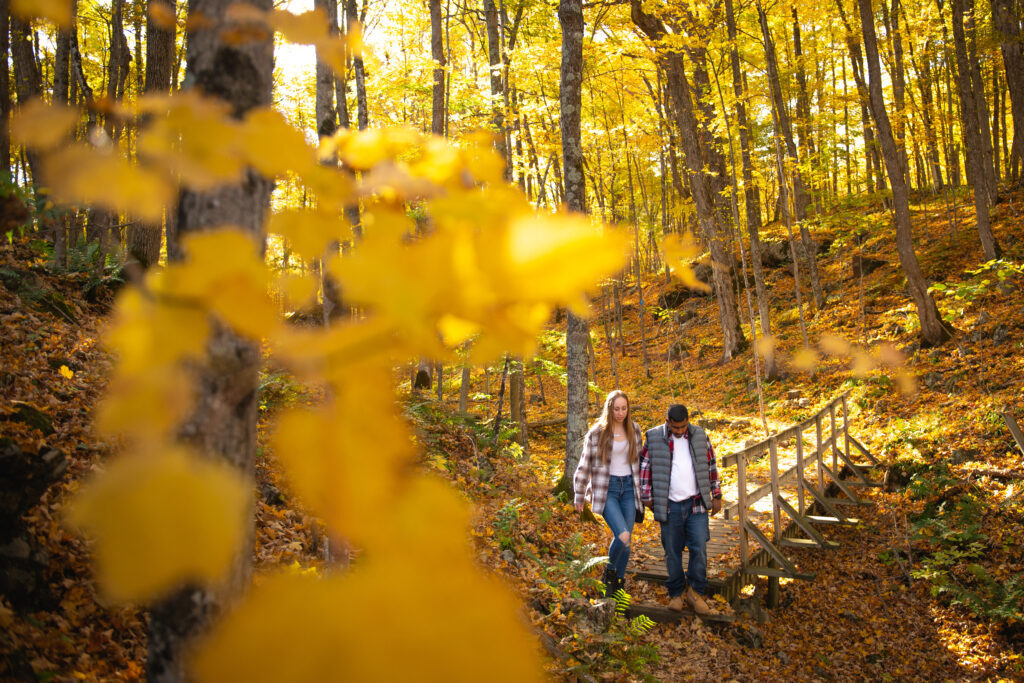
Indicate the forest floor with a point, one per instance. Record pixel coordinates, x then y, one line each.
926 587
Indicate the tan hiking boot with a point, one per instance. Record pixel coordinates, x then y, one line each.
676 604
696 601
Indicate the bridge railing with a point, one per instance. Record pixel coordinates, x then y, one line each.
829 453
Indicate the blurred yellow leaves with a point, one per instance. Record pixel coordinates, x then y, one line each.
225 271
380 622
362 451
309 231
57 11
81 175
679 251
40 125
161 520
66 372
862 361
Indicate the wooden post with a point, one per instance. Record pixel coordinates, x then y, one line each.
846 429
800 470
773 450
818 447
832 435
773 581
741 499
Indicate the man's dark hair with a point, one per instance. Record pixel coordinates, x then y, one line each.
678 413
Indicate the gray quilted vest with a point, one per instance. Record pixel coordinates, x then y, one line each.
661 466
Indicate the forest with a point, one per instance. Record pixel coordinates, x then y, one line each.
309 311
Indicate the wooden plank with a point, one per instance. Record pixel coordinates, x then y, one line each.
773 453
771 549
801 522
840 484
822 501
741 479
847 501
821 519
870 457
778 573
799 467
807 543
1014 428
663 615
818 451
856 470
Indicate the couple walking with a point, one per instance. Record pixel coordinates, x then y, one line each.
673 473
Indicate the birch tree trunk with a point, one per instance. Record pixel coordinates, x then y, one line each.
437 54
223 425
570 18
933 331
494 60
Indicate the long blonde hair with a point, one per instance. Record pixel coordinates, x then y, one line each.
604 441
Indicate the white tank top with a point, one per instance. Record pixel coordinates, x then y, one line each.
618 464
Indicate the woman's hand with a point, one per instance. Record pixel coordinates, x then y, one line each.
579 507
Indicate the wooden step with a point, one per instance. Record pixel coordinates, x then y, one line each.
847 501
833 520
807 543
781 573
870 484
664 615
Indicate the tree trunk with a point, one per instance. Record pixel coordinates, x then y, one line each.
223 425
437 54
353 20
924 82
494 60
978 86
5 88
933 331
1007 22
325 122
899 83
144 238
973 143
750 192
27 83
570 18
786 132
684 112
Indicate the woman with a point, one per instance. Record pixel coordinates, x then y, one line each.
609 472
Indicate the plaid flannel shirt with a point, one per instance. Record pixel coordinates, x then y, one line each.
647 495
592 476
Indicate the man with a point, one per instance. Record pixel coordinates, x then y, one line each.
679 482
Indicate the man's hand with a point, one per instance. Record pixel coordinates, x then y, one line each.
716 506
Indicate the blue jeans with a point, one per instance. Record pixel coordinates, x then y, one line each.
684 529
620 514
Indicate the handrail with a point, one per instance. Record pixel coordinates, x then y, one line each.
762 446
837 440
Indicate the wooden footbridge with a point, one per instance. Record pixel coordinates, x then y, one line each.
815 469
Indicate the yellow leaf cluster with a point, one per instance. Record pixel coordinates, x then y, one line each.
57 11
679 251
40 125
161 520
295 628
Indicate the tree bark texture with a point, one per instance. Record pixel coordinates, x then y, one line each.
358 68
437 54
144 238
5 87
933 331
973 143
750 191
570 18
799 190
684 114
223 425
27 83
1006 19
326 115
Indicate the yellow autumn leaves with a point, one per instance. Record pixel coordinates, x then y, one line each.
473 262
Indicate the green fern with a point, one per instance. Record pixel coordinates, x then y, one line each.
640 625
